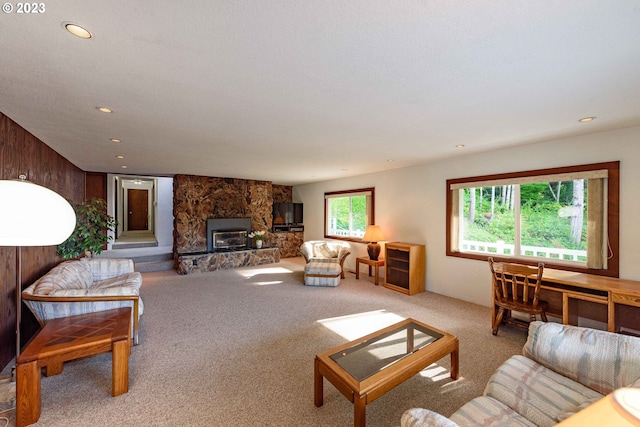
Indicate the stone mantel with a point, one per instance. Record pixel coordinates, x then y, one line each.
212 261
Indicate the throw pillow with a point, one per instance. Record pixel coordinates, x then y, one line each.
321 250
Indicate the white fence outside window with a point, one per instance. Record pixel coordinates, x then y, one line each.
346 233
502 248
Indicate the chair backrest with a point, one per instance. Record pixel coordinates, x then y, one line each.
516 283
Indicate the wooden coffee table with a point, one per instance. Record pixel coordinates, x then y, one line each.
71 338
365 369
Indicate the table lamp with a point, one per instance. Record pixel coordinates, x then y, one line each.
31 215
373 235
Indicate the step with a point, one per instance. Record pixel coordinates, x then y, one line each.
149 266
134 245
145 260
151 258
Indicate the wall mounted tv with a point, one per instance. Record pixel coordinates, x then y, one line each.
287 213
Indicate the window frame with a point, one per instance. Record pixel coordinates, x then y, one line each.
612 209
348 193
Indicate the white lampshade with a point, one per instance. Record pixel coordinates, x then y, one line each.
373 234
32 215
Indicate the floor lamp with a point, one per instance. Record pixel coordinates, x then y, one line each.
31 215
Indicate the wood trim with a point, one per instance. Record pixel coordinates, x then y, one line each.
613 216
372 219
533 172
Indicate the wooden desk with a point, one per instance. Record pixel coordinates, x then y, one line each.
71 338
371 263
608 291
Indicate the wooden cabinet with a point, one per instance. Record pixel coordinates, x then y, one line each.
405 266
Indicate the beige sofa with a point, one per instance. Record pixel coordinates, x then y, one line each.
562 370
86 286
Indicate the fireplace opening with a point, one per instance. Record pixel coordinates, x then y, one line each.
229 240
228 234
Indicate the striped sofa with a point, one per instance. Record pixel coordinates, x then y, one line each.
86 286
562 370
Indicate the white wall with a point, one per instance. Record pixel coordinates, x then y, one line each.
164 221
411 203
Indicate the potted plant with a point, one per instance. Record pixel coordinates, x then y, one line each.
92 230
258 236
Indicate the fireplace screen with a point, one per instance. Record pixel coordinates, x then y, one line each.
229 239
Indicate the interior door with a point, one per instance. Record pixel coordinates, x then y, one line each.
138 214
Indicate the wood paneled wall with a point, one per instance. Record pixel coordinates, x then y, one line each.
95 185
21 153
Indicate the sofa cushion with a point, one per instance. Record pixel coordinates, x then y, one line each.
597 359
107 268
536 392
582 406
66 275
128 280
420 417
487 412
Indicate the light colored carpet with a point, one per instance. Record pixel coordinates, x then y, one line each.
236 347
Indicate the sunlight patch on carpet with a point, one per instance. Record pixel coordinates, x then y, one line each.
257 272
435 372
357 325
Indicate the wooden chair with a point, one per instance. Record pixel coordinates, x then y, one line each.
516 287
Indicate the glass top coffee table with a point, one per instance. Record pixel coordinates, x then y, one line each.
366 368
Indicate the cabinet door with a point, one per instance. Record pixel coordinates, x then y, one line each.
398 268
404 267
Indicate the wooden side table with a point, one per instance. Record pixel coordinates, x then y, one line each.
371 263
70 338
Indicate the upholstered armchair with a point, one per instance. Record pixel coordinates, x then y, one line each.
326 251
86 286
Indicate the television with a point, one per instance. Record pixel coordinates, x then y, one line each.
287 213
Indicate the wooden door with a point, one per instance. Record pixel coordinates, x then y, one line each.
138 215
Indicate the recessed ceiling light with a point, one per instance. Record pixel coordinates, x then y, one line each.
119 157
115 140
123 166
460 146
586 119
104 110
77 30
390 160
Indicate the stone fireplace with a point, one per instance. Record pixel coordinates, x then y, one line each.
196 199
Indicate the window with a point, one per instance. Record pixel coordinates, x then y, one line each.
347 213
564 217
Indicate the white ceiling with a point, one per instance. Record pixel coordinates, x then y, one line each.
306 90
